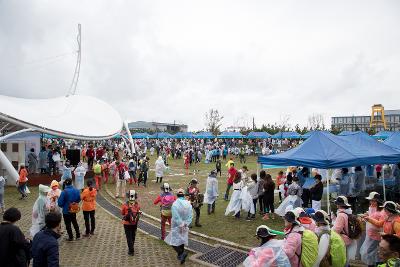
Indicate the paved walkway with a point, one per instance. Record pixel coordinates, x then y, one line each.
107 247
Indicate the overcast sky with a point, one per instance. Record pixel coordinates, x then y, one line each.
174 60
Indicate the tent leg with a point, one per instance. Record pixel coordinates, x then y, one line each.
384 189
327 196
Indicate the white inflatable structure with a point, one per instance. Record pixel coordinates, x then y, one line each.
73 117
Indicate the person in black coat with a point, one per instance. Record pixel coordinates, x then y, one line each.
14 247
45 246
316 192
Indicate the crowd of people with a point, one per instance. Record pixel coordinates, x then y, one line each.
311 236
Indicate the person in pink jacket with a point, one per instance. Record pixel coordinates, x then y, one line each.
292 241
341 226
369 249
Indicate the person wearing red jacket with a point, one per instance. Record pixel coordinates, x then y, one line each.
165 200
229 182
130 212
90 156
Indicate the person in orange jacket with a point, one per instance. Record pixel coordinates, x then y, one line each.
22 181
130 217
88 197
391 221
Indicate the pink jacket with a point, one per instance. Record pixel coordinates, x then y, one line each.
372 231
292 245
341 226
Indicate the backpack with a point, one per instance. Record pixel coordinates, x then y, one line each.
166 204
354 225
73 206
337 251
131 217
309 248
97 169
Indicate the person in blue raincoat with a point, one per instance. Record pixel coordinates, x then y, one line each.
178 237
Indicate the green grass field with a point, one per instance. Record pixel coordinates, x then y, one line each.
216 225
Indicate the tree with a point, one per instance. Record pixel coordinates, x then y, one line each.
213 121
316 122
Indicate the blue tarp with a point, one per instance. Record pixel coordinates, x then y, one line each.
204 135
308 134
393 140
182 135
325 150
140 135
161 135
382 134
344 133
258 135
229 135
286 135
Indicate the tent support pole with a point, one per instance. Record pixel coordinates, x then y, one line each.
383 185
327 196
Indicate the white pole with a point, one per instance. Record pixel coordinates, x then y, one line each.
327 194
383 184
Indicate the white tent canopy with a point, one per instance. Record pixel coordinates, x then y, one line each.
75 116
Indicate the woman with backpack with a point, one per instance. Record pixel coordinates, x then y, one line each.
165 199
293 234
130 212
331 248
341 226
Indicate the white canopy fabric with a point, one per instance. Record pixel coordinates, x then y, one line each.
75 116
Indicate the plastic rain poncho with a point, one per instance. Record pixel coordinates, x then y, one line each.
269 254
181 218
247 201
211 193
235 203
160 167
80 172
39 210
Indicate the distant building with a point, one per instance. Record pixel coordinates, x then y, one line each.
362 123
157 126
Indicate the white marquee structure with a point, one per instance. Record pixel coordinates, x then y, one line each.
73 117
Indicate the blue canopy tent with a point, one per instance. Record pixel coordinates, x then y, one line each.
344 133
286 135
204 135
140 135
327 151
178 135
382 134
230 135
258 135
393 141
161 135
187 135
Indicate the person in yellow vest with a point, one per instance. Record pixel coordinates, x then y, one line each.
97 174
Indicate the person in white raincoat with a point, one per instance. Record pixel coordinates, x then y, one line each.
178 237
211 194
293 198
80 172
269 253
235 203
160 168
39 210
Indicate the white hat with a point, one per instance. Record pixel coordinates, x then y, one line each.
373 195
292 216
320 216
44 189
342 201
